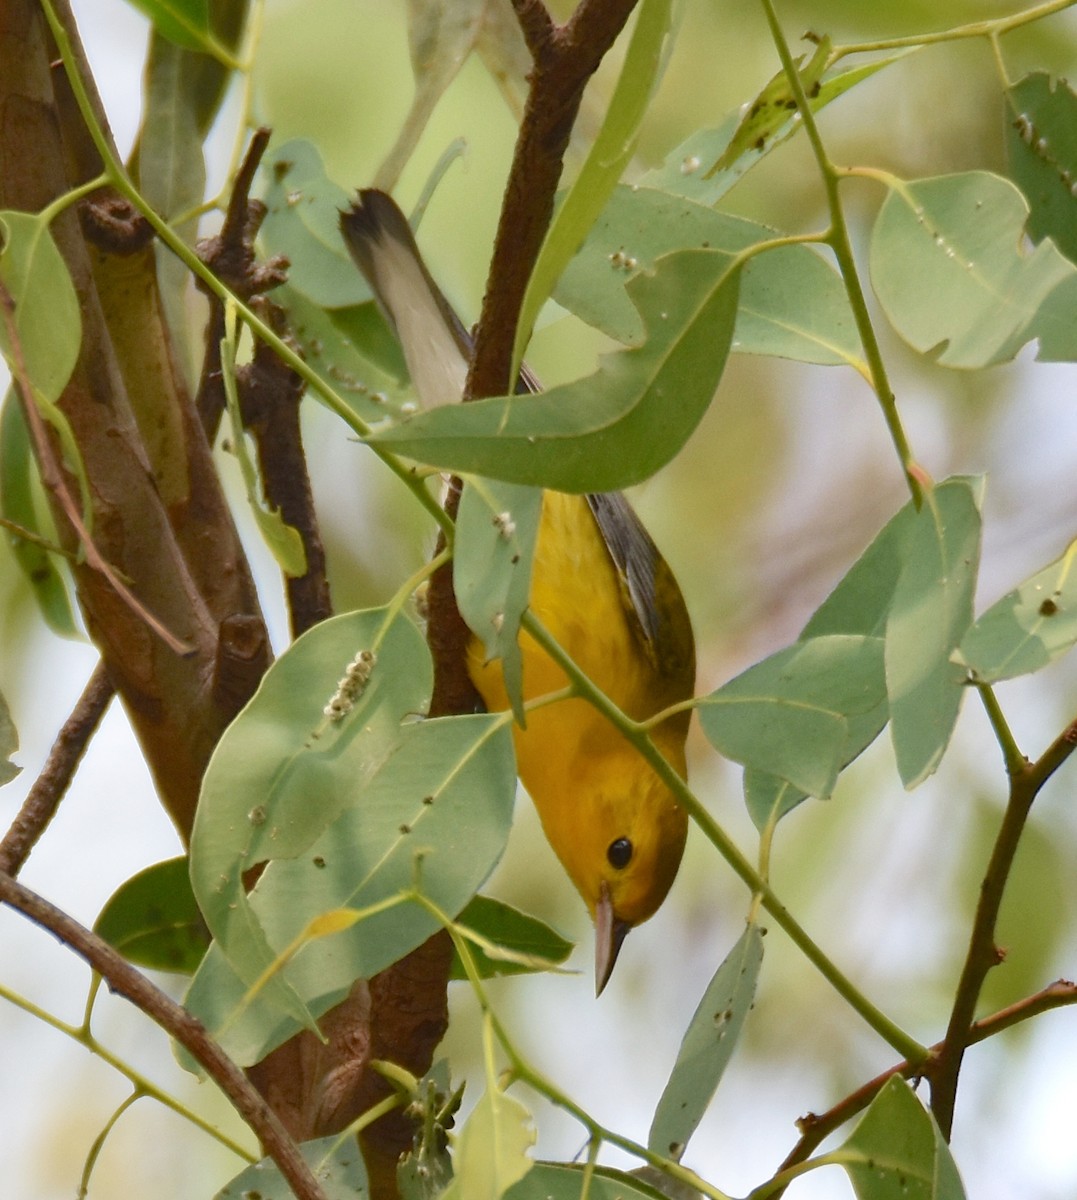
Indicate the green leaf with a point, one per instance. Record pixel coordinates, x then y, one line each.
802 713
1041 145
17 472
335 1161
692 169
441 35
303 223
773 108
861 601
47 318
496 531
1029 627
948 268
617 426
425 1171
561 1181
434 815
186 23
792 303
522 935
769 798
352 349
9 743
491 1150
707 1046
930 612
610 153
153 919
283 771
896 1151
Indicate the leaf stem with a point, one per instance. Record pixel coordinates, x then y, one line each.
636 735
141 1085
838 240
992 28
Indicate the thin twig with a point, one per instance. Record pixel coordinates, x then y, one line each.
48 790
123 979
52 477
983 954
815 1127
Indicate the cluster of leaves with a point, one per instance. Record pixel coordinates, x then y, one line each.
413 815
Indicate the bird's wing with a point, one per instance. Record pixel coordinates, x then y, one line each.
649 590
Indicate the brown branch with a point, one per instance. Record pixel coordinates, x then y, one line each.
122 978
48 789
270 393
1026 780
55 482
565 60
814 1127
536 24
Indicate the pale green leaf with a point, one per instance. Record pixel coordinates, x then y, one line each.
792 303
491 1150
352 349
433 814
801 713
691 170
336 1162
302 222
617 426
1041 144
17 473
1029 627
948 267
930 612
496 531
707 1046
47 319
768 798
896 1151
284 771
441 35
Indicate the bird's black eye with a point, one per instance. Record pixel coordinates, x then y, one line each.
619 853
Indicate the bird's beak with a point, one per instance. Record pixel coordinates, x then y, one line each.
609 934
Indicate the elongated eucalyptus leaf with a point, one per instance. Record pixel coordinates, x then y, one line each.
337 1164
496 531
707 1047
617 426
9 743
930 612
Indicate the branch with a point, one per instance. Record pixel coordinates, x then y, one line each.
815 1127
565 60
270 393
1026 780
55 482
48 790
122 978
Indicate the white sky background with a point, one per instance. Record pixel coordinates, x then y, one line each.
1016 1117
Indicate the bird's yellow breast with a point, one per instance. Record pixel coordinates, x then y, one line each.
589 785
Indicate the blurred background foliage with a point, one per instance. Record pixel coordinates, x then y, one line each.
787 479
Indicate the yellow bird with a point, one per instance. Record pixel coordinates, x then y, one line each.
601 588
